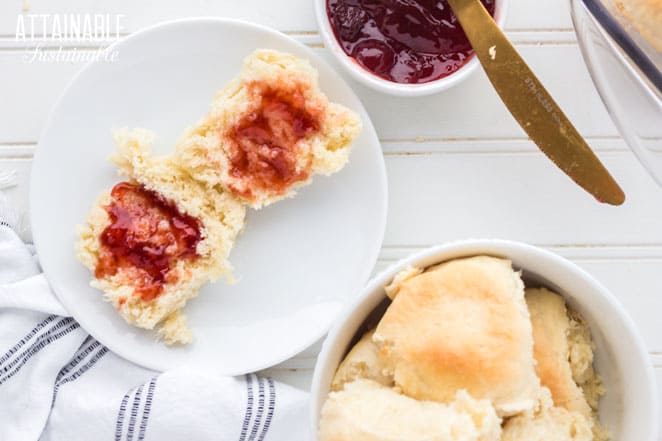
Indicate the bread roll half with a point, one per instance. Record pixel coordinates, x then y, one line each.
220 218
269 131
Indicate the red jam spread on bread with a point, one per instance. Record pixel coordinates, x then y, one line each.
404 41
263 152
147 234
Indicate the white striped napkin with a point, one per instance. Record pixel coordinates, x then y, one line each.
59 383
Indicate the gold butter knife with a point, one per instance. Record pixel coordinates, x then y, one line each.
532 106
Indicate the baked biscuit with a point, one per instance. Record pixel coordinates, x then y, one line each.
563 350
368 411
156 238
268 131
462 325
550 323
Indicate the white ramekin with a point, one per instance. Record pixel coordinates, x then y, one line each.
629 407
375 82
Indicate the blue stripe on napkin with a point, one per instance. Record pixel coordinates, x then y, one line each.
270 411
27 337
88 345
134 413
147 409
249 407
260 410
41 342
120 415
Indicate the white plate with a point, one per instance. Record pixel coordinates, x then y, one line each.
297 261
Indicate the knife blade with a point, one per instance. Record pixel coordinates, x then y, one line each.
532 106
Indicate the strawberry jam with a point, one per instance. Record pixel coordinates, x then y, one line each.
146 236
263 152
404 41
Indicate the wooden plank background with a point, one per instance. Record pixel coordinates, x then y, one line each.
458 165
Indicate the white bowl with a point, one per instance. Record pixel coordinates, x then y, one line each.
382 85
629 407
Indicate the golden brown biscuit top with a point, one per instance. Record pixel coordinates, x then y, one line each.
462 325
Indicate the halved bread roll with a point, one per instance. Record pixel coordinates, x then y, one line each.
269 131
156 238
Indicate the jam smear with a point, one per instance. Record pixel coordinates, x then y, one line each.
263 152
404 41
146 236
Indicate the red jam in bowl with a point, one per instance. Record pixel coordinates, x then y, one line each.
147 234
263 153
404 41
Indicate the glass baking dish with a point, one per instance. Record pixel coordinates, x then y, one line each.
621 41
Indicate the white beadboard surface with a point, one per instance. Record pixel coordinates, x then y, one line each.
458 165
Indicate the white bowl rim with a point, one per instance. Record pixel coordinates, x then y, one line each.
466 248
390 87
